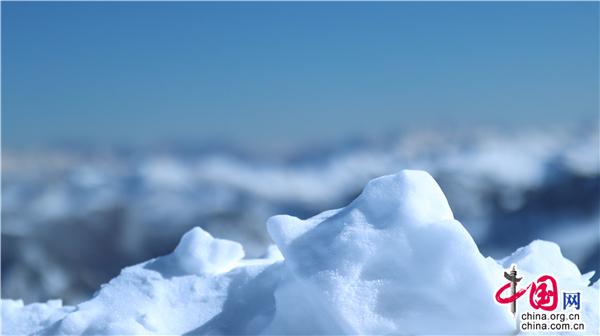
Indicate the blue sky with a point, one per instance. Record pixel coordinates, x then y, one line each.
261 74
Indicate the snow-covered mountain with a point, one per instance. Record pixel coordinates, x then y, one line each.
71 219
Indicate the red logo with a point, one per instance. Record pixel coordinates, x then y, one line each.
543 294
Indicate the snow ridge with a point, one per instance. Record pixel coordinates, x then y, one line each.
394 261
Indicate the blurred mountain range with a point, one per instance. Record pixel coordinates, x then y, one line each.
72 217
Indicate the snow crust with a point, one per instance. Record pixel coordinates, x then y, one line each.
394 261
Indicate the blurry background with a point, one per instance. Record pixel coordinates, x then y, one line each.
126 124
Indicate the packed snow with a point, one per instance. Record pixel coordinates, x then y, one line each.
393 261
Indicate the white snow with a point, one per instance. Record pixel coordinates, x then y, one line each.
199 253
394 261
391 260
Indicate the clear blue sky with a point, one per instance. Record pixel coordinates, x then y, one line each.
286 73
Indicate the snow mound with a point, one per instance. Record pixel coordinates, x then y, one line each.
174 294
394 261
542 257
199 253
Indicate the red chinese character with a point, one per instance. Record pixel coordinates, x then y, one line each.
510 298
544 293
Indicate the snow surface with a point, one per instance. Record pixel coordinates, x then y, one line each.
394 261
